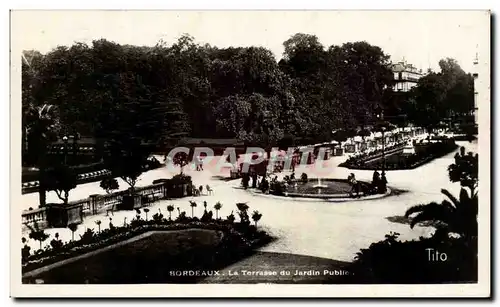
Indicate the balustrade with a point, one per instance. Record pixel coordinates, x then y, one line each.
94 204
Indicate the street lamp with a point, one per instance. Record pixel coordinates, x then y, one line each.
381 118
65 140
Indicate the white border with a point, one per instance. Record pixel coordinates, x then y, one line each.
481 289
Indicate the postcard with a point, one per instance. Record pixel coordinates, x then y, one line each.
250 153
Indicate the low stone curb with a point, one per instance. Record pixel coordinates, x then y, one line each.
311 199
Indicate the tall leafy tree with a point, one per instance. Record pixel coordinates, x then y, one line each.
42 126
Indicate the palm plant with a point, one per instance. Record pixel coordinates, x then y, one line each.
256 216
217 207
41 127
193 205
170 208
455 215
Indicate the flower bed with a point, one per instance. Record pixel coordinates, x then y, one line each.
373 154
238 238
424 154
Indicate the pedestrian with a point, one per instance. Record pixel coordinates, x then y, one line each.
354 185
383 183
375 181
196 163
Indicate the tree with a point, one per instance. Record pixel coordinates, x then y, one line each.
41 125
98 223
448 94
181 159
109 185
465 170
217 207
193 205
243 213
170 208
126 159
73 227
37 234
61 179
256 216
253 119
25 251
427 102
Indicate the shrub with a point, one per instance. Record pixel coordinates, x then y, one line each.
264 185
256 216
207 216
25 251
88 236
153 163
109 185
230 218
180 179
157 217
394 261
303 177
56 243
243 213
277 188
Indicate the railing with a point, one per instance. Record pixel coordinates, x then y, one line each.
153 192
34 216
96 204
32 186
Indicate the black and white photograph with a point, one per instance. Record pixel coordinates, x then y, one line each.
339 149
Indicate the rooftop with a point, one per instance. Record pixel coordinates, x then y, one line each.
403 66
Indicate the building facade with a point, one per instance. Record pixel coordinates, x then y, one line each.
405 76
476 86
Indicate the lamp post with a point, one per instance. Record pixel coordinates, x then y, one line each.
65 140
381 118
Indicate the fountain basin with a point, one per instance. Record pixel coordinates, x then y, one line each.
324 188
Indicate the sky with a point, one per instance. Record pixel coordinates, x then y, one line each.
421 38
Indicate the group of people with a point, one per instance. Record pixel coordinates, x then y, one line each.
198 163
378 184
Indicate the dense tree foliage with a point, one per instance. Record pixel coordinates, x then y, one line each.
159 94
448 94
